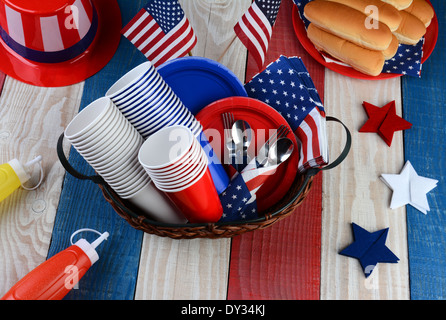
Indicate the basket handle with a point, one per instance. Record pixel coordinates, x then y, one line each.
64 161
341 157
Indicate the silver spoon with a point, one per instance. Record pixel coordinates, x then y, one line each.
242 136
280 151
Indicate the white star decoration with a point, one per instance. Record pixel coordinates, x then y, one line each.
409 188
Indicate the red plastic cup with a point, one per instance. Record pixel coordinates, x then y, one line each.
199 202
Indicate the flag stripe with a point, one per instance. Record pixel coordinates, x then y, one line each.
315 133
163 46
158 35
257 27
250 42
152 33
263 22
181 49
251 34
254 28
134 23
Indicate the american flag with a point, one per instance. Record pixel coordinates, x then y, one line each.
255 27
239 198
236 202
161 31
286 86
407 60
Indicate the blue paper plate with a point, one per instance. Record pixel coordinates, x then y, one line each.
200 81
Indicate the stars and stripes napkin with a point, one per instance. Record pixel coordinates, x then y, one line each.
286 86
407 60
161 31
239 199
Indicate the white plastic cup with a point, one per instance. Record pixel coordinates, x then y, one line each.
170 119
133 186
146 107
188 177
123 149
146 93
180 166
178 175
129 80
185 186
109 138
156 205
157 113
165 147
90 118
93 140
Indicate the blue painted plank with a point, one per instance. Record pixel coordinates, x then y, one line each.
83 206
424 105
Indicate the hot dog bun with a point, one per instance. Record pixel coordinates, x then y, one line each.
364 60
399 4
392 49
347 23
386 13
422 10
410 30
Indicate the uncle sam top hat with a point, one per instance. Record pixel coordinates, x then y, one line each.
53 43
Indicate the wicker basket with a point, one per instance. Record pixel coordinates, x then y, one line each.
294 198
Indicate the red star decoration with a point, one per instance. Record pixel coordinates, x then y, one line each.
384 121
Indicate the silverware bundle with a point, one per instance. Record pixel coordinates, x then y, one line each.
238 136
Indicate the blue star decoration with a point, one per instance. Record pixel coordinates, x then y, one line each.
369 248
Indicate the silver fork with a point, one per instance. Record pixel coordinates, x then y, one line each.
228 122
262 156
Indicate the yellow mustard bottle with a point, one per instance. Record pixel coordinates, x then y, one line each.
12 175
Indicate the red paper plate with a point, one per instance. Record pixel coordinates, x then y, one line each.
260 116
299 28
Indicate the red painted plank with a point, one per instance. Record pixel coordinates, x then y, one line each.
2 81
283 261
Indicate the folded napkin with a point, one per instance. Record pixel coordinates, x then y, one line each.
286 86
369 248
407 60
239 199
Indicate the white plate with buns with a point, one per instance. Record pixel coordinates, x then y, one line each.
362 51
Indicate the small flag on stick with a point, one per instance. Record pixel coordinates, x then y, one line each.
161 31
255 27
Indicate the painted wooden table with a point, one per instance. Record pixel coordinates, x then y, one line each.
297 258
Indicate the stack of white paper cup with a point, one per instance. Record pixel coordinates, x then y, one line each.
150 105
177 164
110 144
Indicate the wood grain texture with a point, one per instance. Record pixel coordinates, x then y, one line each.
353 192
197 269
424 102
31 119
283 261
82 204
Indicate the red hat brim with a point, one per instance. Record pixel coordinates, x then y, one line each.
98 54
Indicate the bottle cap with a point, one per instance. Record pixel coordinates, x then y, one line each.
19 170
90 248
23 171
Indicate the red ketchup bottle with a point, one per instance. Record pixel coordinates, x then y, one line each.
53 279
